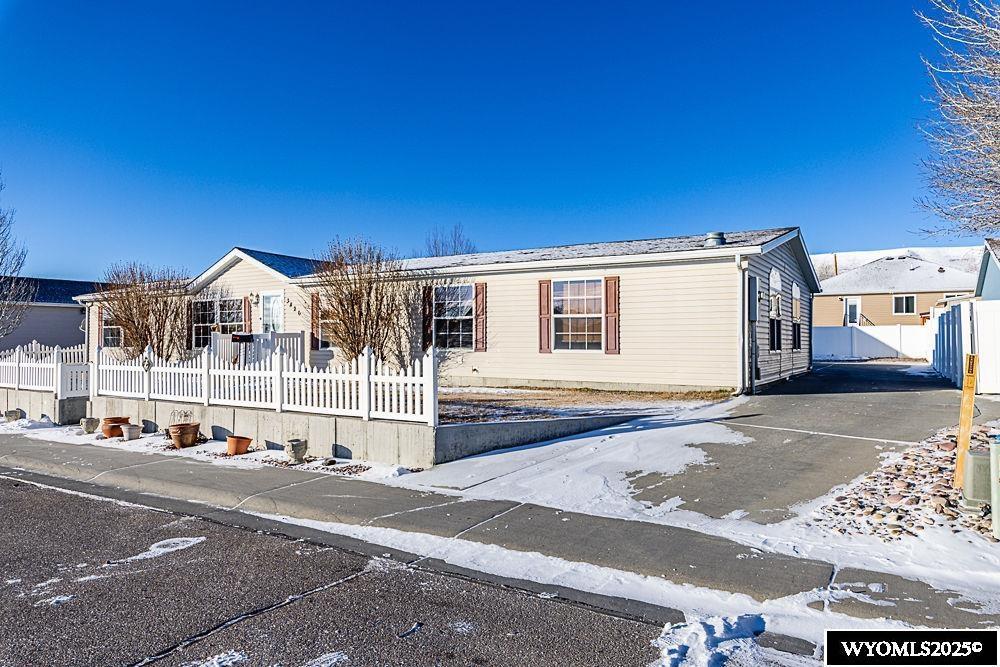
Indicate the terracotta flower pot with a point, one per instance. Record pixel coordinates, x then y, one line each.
111 426
184 435
237 444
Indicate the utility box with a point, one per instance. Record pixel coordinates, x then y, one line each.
976 489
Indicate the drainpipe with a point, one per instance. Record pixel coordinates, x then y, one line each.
741 324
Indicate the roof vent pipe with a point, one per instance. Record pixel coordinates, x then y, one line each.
715 239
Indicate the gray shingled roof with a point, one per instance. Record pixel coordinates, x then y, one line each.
292 267
53 290
900 274
297 267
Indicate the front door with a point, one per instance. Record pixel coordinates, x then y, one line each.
852 311
272 313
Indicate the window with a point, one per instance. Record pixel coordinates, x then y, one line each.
953 295
796 335
224 316
454 316
111 333
272 313
774 311
578 314
325 325
904 305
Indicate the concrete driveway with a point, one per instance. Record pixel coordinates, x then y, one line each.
811 434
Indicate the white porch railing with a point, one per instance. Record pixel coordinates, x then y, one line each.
42 368
365 387
263 346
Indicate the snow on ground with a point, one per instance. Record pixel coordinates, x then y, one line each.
789 615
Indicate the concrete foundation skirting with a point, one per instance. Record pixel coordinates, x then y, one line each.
38 404
396 443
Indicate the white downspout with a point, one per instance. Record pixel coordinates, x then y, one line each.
741 324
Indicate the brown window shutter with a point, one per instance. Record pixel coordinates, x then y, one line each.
100 325
314 321
611 325
247 325
428 321
545 316
480 332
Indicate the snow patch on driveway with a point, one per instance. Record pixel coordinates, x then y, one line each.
163 547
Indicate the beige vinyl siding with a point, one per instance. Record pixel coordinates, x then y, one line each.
245 278
49 325
678 329
786 362
876 307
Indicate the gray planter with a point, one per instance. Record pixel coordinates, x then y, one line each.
89 424
131 431
13 415
296 450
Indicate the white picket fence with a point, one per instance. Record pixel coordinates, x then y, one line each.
365 387
62 371
263 345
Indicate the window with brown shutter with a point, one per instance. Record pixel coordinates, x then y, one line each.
545 316
480 317
611 324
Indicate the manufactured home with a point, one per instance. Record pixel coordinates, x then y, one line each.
726 310
52 317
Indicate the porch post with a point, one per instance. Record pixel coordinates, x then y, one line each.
95 373
206 375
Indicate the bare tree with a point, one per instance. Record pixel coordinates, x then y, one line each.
367 298
149 305
964 174
444 242
16 292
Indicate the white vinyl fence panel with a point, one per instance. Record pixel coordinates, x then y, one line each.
873 342
41 368
365 387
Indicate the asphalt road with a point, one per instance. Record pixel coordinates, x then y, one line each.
93 582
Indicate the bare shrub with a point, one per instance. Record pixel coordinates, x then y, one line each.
16 292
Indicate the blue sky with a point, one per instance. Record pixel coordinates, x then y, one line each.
170 132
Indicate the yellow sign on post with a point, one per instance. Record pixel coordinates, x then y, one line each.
965 417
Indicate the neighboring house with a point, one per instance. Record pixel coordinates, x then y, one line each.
988 281
53 317
894 289
963 258
659 314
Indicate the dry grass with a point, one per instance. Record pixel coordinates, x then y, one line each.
530 403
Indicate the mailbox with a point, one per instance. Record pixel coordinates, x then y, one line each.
242 338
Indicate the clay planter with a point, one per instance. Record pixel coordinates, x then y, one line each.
184 435
111 426
131 431
89 424
237 444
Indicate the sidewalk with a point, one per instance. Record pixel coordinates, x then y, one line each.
679 555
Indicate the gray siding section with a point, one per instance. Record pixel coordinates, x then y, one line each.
49 325
775 365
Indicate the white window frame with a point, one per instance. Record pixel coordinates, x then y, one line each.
435 318
216 325
553 316
281 303
324 342
954 295
847 303
106 317
904 297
